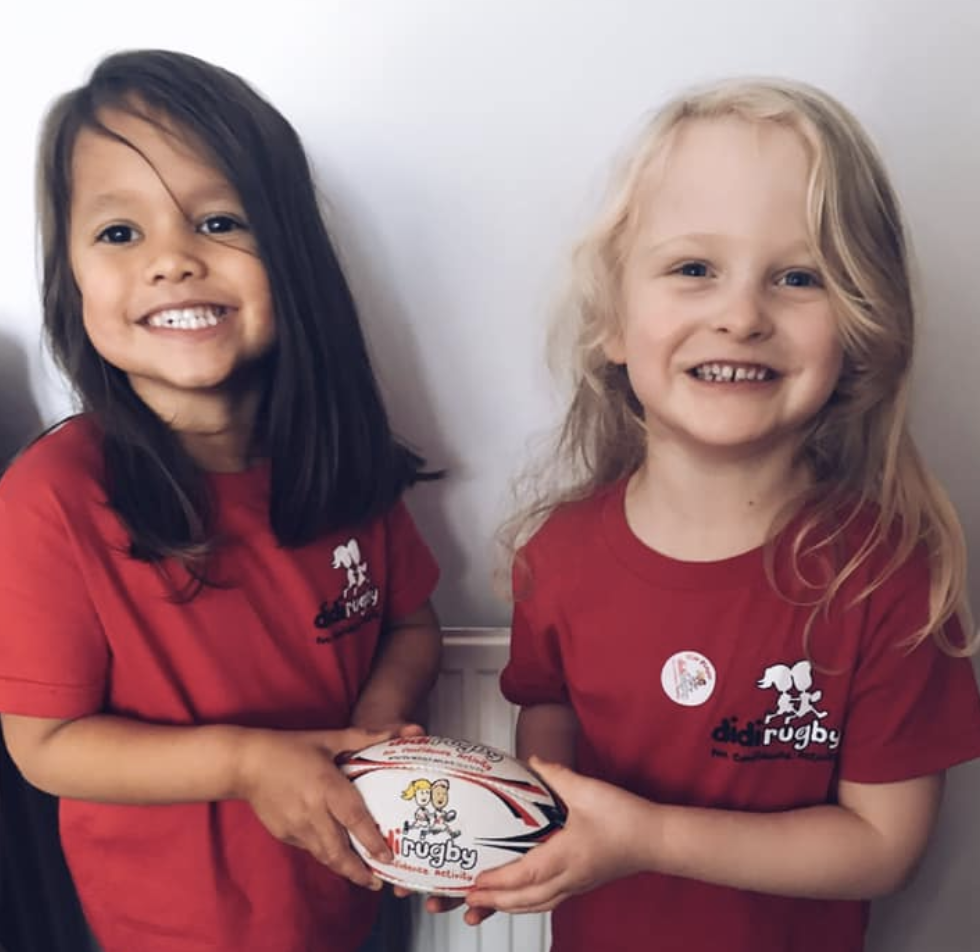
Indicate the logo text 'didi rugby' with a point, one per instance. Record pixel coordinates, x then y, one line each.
796 719
756 734
435 854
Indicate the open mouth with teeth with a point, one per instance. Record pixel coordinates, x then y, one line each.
188 318
732 373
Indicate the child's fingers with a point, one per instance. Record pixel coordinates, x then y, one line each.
353 738
347 807
541 865
366 832
411 730
440 904
511 875
560 778
474 915
532 881
334 850
539 897
523 886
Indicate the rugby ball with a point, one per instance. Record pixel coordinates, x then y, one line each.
449 809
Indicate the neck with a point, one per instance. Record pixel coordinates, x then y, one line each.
216 429
216 426
710 507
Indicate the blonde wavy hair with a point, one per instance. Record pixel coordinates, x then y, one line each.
858 448
420 784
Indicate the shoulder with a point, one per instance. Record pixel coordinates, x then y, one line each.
397 518
393 532
864 534
64 461
393 526
851 539
570 524
561 554
53 499
890 590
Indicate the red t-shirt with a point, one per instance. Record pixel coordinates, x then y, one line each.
692 685
285 640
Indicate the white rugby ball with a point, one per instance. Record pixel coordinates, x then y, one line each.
449 809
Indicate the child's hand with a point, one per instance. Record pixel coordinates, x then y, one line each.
440 904
393 728
296 790
607 833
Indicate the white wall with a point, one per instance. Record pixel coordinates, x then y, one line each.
462 144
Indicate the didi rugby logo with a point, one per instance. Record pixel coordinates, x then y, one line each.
429 834
795 722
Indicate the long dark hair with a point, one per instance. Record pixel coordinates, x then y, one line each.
334 459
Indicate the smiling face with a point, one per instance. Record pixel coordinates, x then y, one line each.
726 329
173 291
440 795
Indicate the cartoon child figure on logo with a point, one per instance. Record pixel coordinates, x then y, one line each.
784 678
735 502
421 792
432 814
442 814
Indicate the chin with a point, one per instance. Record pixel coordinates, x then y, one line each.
740 445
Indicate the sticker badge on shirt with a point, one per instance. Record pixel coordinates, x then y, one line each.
688 678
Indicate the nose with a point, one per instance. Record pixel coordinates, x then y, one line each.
744 315
173 258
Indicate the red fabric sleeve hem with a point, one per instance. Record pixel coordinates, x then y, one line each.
899 768
31 699
523 697
407 601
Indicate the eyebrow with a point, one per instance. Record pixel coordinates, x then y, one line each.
105 201
694 236
216 191
801 247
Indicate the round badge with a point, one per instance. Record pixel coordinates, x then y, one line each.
688 678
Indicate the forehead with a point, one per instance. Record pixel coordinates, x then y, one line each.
727 175
139 156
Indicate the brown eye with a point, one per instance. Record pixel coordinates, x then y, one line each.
220 225
116 234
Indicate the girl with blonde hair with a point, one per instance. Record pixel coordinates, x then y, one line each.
735 492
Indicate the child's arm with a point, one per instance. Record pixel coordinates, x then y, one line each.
865 846
288 777
547 731
405 668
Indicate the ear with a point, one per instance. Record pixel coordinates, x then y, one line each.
614 347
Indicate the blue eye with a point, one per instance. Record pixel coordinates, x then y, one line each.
220 225
801 279
692 269
117 234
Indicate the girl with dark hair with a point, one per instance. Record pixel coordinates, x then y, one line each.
209 584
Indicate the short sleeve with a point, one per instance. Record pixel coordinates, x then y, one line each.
912 712
53 653
534 673
412 568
